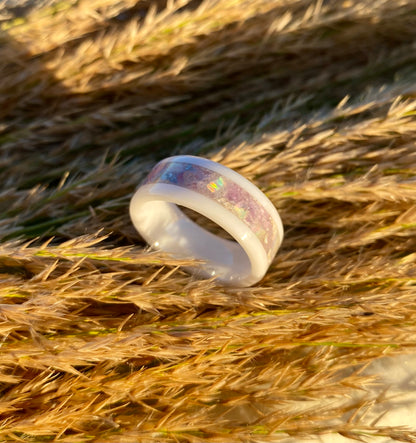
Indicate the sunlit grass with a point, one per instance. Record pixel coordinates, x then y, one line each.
102 339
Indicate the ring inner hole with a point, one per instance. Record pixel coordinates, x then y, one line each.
206 223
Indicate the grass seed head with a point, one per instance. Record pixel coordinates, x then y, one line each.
103 340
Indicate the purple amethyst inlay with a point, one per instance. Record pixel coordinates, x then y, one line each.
222 190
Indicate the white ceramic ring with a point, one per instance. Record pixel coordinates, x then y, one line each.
220 194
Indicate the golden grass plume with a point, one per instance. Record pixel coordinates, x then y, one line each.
105 341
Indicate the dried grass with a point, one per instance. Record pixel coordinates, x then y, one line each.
105 341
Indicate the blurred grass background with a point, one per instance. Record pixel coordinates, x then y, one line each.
105 341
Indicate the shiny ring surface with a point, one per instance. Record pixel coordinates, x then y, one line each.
221 195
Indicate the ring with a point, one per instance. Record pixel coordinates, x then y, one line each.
221 195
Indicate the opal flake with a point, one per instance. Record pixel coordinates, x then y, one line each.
224 191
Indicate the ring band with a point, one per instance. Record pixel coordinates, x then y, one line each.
223 196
